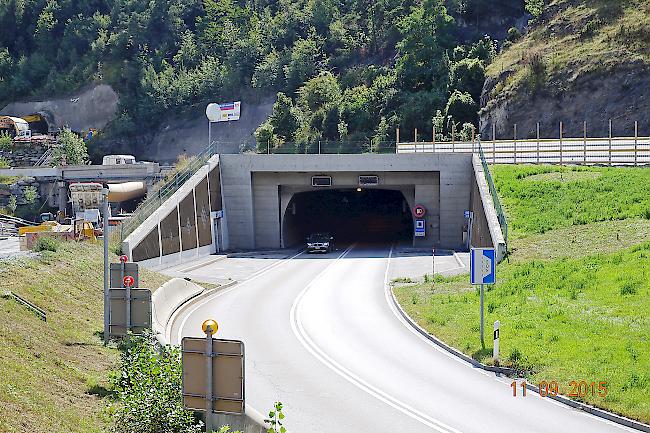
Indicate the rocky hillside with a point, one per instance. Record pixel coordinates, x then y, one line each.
580 61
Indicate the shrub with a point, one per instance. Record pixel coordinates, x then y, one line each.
513 34
6 142
536 77
462 107
149 389
72 149
3 163
628 288
47 243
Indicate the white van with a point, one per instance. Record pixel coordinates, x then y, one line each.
118 159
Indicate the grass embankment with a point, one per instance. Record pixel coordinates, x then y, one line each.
574 297
578 37
54 373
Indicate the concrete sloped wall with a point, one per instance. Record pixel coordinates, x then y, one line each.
486 231
186 226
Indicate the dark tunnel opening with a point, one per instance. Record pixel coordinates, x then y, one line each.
350 215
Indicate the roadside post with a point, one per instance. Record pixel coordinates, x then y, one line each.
469 216
213 374
128 283
106 272
433 267
495 347
482 272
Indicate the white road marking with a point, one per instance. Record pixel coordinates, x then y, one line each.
318 353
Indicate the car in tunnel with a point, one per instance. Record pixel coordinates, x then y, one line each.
319 242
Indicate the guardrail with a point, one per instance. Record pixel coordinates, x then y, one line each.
590 151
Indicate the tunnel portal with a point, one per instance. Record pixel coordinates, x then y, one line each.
349 215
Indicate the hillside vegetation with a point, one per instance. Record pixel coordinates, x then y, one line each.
579 61
55 373
347 70
574 297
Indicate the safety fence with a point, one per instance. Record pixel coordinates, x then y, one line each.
593 151
328 147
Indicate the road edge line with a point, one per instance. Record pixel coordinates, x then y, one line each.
600 413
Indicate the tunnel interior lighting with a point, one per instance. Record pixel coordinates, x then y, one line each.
359 189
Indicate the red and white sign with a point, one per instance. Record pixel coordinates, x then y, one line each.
124 259
128 281
419 211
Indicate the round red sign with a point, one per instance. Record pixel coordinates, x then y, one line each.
124 259
419 211
128 281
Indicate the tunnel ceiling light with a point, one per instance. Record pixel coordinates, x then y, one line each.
359 189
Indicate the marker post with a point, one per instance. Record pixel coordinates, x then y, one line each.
495 350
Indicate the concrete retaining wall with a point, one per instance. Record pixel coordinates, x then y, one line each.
167 299
486 231
185 226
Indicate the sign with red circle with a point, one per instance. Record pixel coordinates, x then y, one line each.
128 281
419 211
124 259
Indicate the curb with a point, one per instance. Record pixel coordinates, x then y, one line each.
510 372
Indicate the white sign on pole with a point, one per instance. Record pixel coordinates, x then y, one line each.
223 112
483 266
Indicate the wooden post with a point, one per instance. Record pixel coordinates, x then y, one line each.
537 142
473 138
584 150
610 141
636 138
453 136
561 143
433 140
415 135
515 142
494 143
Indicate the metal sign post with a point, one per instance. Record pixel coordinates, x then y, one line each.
209 327
482 271
106 272
128 282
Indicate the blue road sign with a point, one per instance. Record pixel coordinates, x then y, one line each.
420 230
467 214
483 266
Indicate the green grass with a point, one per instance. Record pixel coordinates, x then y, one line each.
55 373
574 297
536 204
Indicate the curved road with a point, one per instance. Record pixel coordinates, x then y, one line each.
322 337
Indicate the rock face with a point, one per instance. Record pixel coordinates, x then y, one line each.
622 95
93 107
21 189
23 155
186 133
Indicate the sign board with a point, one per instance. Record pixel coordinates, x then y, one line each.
482 266
468 214
216 214
223 112
318 181
420 230
140 311
117 279
419 211
227 375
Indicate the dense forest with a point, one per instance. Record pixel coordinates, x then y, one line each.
342 70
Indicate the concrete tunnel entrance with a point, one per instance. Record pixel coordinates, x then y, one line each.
369 215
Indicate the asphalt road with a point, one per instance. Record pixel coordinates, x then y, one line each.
322 337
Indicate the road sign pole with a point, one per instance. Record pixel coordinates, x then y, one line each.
208 364
482 338
433 267
106 272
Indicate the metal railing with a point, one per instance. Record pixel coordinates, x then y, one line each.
501 215
586 151
163 190
328 147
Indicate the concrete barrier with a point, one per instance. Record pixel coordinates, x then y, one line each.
169 298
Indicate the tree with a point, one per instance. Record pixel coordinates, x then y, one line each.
468 75
535 7
462 108
422 62
305 61
71 150
284 118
